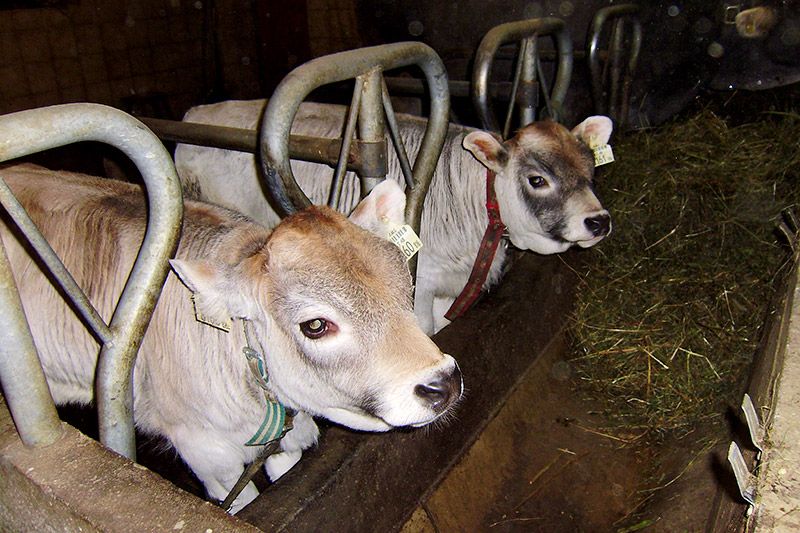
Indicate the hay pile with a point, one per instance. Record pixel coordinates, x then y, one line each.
670 307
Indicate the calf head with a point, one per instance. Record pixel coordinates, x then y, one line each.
544 183
331 304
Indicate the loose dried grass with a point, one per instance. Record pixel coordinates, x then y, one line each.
671 304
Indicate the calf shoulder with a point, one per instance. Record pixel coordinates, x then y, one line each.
96 227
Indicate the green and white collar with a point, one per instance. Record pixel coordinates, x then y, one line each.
275 423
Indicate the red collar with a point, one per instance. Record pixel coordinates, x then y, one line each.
480 269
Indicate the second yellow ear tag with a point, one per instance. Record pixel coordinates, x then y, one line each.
603 155
404 237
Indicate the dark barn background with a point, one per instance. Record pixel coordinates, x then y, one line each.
159 57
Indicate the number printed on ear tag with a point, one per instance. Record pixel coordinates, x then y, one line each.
603 155
404 237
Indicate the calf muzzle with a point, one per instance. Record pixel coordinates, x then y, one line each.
599 225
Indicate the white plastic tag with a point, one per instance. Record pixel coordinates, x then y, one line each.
753 424
744 479
200 317
603 155
404 237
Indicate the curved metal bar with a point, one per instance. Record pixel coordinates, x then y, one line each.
285 101
598 23
512 32
35 130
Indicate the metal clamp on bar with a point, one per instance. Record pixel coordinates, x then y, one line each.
35 130
528 73
609 97
366 65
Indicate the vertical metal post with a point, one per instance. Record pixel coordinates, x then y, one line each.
615 62
371 125
527 104
21 375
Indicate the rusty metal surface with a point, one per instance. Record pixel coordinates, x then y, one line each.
373 482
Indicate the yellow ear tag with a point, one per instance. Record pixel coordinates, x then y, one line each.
404 237
200 317
602 154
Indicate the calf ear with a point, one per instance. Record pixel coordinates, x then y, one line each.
213 303
383 206
594 131
487 149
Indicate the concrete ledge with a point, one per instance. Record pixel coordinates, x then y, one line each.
778 496
76 484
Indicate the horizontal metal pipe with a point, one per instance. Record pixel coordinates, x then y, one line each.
301 147
500 90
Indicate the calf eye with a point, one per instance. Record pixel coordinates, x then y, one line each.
314 328
537 182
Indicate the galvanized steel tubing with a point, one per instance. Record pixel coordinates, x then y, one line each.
521 31
618 13
35 130
285 101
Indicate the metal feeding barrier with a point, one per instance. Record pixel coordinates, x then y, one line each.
21 375
529 79
611 79
370 104
529 76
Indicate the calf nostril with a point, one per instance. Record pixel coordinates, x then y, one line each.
598 225
441 392
436 393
